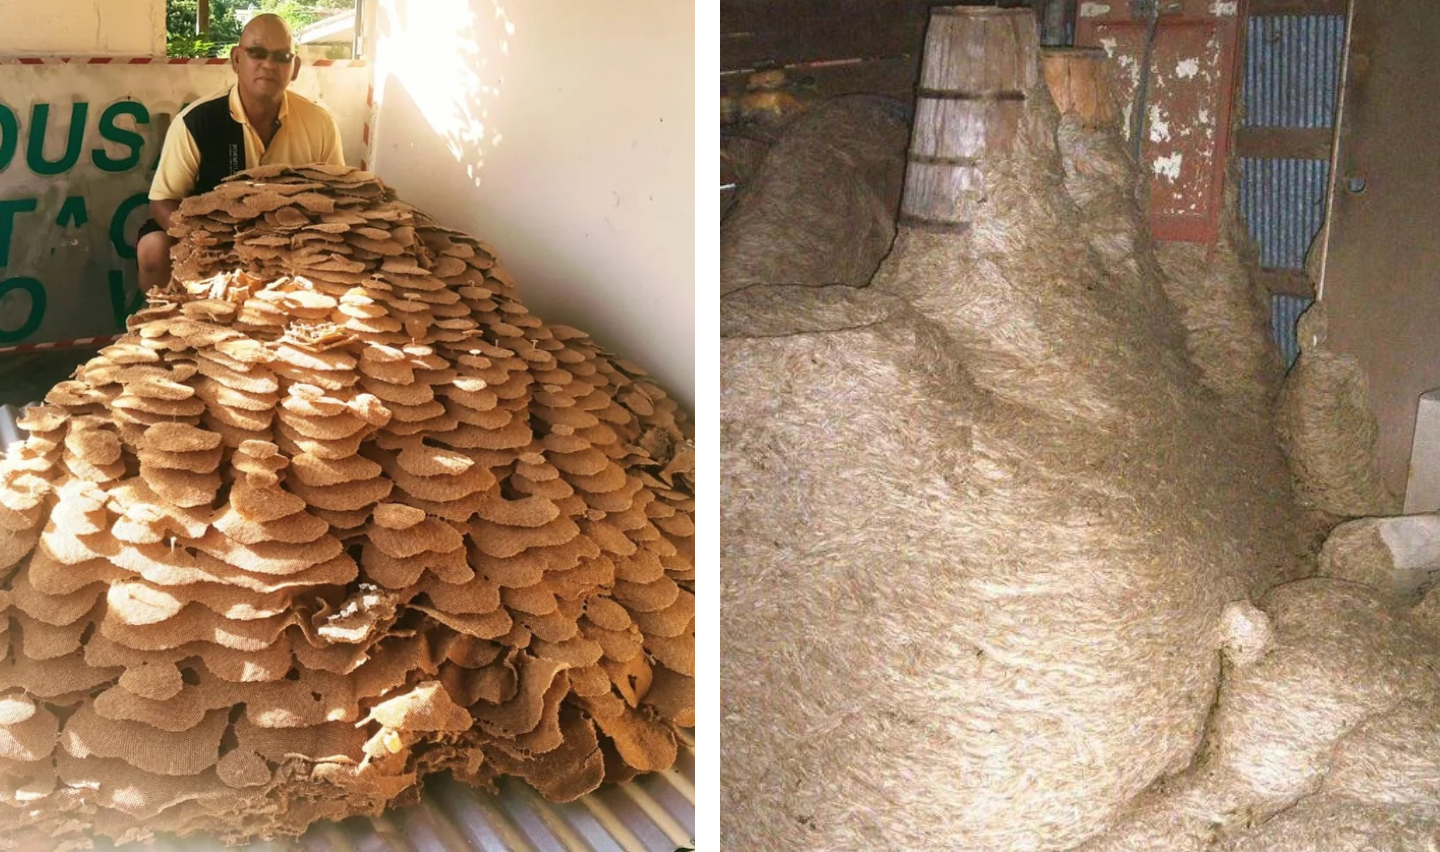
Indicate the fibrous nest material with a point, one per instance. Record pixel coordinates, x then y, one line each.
821 207
1328 428
740 160
338 512
1324 735
1211 287
993 507
1399 555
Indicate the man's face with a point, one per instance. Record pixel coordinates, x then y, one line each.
256 64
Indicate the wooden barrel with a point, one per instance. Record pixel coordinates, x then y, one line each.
979 62
1079 81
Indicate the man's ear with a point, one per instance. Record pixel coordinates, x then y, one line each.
295 72
235 58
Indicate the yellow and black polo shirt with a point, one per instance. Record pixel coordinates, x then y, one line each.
212 139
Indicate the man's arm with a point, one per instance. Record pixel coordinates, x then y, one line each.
162 210
334 151
176 173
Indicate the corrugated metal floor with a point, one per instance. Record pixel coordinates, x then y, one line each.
654 813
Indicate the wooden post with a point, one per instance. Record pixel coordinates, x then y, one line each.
202 17
979 63
1079 81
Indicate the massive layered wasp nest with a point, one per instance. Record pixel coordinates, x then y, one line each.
1026 478
338 512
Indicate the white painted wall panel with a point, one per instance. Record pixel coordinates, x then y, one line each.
562 133
82 27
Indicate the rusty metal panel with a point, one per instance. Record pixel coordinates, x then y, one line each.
1292 70
1188 103
1283 202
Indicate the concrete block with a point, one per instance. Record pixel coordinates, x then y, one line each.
1422 487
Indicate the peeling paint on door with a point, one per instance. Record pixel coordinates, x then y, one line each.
1159 128
1168 167
1188 101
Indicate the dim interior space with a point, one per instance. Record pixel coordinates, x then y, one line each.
1080 419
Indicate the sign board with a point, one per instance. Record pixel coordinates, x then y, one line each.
79 140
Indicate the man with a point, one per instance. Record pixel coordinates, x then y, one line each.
256 122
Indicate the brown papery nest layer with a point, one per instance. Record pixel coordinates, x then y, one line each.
337 513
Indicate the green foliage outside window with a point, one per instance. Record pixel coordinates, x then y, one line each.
225 26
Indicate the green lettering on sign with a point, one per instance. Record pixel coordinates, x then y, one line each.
37 307
8 209
73 212
9 136
35 153
117 224
111 133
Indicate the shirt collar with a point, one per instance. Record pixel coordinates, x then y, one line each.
237 109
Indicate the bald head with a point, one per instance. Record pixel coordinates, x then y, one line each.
262 75
268 27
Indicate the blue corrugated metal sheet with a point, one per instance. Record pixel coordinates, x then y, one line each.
1291 79
1285 311
1292 70
1283 202
653 813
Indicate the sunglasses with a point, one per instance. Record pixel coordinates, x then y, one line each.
260 54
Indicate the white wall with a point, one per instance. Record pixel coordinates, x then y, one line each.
82 27
561 132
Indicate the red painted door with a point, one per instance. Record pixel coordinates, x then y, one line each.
1189 97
